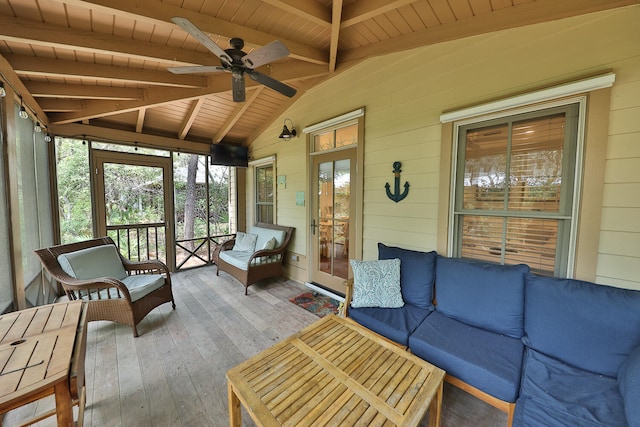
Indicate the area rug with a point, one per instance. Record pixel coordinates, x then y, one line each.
319 305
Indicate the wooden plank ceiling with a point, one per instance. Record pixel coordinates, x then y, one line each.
103 63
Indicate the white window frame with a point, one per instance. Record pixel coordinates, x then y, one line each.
255 165
535 101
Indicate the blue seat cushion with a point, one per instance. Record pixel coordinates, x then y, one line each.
417 274
489 296
554 393
393 323
488 361
593 327
629 385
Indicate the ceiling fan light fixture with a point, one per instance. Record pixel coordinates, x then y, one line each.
286 133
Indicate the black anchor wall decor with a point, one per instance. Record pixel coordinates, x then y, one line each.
396 196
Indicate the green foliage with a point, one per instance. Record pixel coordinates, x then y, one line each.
74 192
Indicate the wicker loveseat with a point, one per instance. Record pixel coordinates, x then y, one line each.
115 288
261 258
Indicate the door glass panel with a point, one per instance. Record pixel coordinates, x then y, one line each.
334 189
134 207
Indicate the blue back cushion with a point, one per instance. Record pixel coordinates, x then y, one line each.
593 327
488 296
417 274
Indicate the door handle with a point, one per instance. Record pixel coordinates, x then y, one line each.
313 226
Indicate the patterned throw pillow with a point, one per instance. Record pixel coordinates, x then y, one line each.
376 283
245 242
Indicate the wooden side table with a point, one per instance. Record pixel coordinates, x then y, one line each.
42 353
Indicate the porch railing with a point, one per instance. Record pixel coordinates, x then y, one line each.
141 242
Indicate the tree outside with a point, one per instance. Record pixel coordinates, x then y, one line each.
134 196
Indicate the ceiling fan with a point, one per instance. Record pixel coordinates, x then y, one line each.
236 62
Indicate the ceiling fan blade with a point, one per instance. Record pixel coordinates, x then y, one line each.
265 54
237 87
202 37
196 69
272 83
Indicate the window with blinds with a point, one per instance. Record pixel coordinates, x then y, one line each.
514 189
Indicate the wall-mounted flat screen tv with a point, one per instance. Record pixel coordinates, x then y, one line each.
229 155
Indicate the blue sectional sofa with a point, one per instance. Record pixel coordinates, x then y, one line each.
547 351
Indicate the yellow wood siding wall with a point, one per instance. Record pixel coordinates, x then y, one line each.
619 250
405 93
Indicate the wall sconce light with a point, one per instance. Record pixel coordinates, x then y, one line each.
286 133
3 91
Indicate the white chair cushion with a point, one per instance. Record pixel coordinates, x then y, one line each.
91 263
245 242
265 234
239 259
140 285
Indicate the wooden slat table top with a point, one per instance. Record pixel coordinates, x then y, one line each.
36 347
335 372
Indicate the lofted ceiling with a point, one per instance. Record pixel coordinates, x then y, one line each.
103 64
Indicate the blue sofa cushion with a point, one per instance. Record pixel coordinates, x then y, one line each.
593 327
394 323
629 384
554 393
487 361
485 295
417 274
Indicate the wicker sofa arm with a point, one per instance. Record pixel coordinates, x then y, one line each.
92 288
142 267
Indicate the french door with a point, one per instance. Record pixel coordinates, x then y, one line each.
332 217
134 204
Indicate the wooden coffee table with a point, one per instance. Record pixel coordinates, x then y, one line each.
335 372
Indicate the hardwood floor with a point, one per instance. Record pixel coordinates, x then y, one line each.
173 374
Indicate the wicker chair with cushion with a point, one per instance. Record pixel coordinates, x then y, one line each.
115 288
256 255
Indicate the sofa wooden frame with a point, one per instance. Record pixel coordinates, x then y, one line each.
256 270
117 306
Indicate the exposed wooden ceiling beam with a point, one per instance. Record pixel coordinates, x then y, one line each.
190 118
57 36
140 120
157 96
511 17
310 10
284 107
161 13
336 18
60 105
235 116
89 91
107 73
152 98
75 130
12 79
359 11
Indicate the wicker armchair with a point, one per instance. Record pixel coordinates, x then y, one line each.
251 267
141 287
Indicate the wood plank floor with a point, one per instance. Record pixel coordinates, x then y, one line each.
173 374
